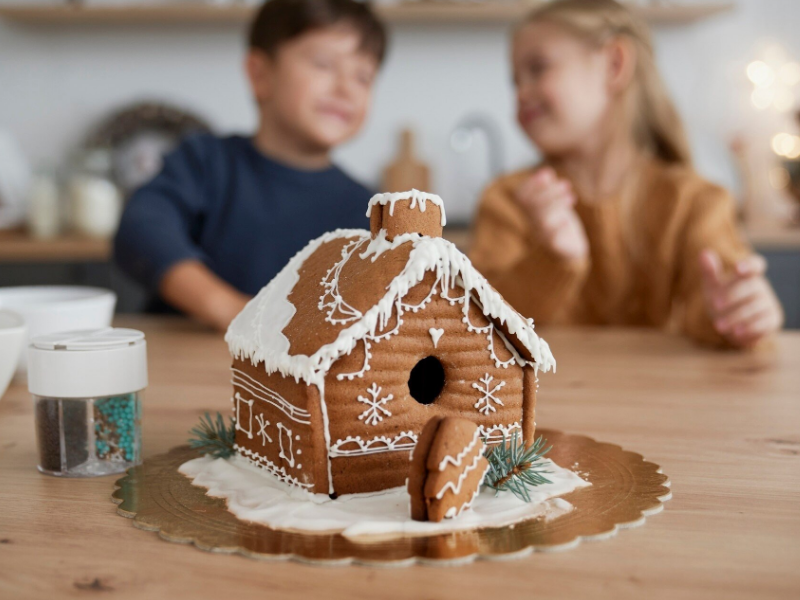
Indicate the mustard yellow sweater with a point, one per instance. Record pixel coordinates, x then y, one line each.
643 268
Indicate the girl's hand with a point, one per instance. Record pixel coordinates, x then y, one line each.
742 305
549 203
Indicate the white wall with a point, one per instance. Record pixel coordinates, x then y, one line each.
56 81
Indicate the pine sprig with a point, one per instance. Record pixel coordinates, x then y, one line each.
213 436
513 467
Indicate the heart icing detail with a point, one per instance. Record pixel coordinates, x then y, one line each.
435 335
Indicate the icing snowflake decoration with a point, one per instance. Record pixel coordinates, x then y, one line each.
262 429
487 401
376 406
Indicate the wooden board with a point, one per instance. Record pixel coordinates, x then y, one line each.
413 12
723 425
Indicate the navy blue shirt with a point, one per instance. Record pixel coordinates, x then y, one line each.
244 215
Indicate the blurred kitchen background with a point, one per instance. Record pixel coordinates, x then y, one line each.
91 94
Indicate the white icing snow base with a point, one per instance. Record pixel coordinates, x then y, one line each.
254 496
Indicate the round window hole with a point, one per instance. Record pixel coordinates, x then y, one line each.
426 380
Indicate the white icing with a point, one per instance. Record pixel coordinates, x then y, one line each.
262 429
379 244
261 392
436 335
453 512
376 406
355 446
486 403
286 444
418 200
262 462
495 434
239 401
253 497
326 432
248 335
257 332
455 487
456 462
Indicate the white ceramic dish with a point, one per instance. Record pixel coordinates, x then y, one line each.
12 340
51 309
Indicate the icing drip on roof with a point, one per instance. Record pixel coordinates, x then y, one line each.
257 332
418 200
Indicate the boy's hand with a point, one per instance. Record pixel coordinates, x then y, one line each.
191 287
549 203
742 305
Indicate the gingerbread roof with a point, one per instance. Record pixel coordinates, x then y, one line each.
348 285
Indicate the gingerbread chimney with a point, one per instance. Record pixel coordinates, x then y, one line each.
406 212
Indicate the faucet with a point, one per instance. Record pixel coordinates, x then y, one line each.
468 127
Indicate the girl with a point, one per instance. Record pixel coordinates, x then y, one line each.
615 228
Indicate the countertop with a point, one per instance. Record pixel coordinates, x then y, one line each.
725 427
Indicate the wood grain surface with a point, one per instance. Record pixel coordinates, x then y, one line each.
724 426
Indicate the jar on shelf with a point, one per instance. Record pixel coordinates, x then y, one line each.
95 201
87 389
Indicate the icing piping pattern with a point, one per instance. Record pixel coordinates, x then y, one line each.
262 429
455 487
418 200
436 335
238 400
269 466
456 462
355 446
452 512
340 313
286 443
376 406
486 403
493 434
251 335
261 392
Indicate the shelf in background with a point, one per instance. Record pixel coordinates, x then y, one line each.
412 12
19 247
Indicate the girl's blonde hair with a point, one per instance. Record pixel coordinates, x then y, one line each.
657 125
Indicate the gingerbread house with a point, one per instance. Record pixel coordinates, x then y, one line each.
340 361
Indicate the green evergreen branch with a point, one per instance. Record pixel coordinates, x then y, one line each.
213 436
513 467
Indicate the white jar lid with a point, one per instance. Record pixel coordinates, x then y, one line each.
87 364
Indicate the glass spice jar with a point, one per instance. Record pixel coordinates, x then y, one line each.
87 388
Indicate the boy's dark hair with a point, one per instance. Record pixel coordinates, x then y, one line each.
279 21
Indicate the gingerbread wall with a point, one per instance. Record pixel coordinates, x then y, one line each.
279 426
374 421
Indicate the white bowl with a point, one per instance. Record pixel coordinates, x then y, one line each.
51 309
12 340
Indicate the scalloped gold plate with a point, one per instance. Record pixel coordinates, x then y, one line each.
625 489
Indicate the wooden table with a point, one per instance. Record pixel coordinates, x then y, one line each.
724 426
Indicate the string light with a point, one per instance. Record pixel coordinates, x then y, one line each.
760 74
786 145
773 79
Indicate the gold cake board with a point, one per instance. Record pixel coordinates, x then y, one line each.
625 489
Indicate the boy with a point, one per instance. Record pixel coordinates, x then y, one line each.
226 214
